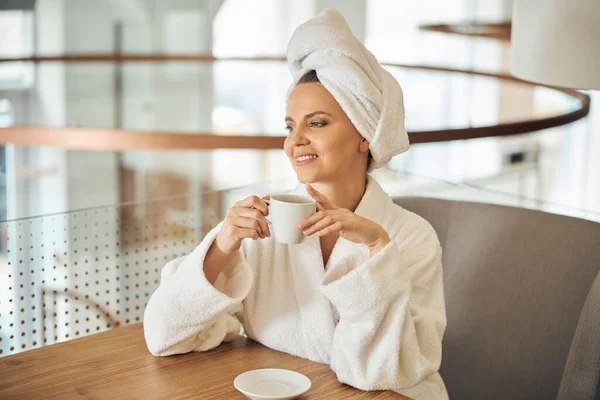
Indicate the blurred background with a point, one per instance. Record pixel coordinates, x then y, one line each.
128 127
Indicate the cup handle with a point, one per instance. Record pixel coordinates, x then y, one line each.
267 219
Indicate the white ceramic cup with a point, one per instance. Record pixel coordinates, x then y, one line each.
286 211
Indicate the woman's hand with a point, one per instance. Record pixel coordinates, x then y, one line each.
333 219
246 219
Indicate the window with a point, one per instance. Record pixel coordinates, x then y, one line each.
16 40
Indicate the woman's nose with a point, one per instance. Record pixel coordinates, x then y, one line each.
298 137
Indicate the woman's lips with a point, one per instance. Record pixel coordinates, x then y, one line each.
305 160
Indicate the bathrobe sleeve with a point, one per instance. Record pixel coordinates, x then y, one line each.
392 312
186 313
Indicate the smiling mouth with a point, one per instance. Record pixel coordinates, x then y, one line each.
306 157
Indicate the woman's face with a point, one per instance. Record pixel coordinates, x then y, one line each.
322 144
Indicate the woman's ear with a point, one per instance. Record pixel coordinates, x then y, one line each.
364 145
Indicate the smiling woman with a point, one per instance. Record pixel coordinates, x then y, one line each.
363 292
322 143
312 77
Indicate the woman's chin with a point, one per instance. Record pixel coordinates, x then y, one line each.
305 178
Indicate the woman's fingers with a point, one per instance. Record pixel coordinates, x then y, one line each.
248 216
247 223
243 233
335 227
313 219
252 213
323 201
319 215
316 226
256 202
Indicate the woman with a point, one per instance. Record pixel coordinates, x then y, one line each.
364 292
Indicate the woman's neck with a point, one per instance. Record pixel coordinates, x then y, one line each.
344 193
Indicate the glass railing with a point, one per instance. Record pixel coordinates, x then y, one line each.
67 275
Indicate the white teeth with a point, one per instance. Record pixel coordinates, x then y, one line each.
302 158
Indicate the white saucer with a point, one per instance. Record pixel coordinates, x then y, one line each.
272 384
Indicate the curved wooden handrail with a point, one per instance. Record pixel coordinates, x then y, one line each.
114 58
505 129
498 30
122 139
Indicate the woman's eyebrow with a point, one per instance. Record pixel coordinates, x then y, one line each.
309 115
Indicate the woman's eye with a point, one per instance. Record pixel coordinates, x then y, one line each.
289 128
317 124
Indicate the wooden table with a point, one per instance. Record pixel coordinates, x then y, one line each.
117 365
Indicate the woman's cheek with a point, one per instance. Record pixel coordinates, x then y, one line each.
333 144
286 148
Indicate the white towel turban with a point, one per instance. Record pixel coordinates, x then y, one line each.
369 95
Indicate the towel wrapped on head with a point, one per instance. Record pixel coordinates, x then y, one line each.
369 95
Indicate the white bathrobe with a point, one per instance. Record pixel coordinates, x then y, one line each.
377 321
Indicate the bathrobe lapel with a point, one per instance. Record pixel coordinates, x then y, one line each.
319 317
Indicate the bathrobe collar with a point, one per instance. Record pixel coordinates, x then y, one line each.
310 271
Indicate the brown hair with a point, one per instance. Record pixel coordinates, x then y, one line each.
312 77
